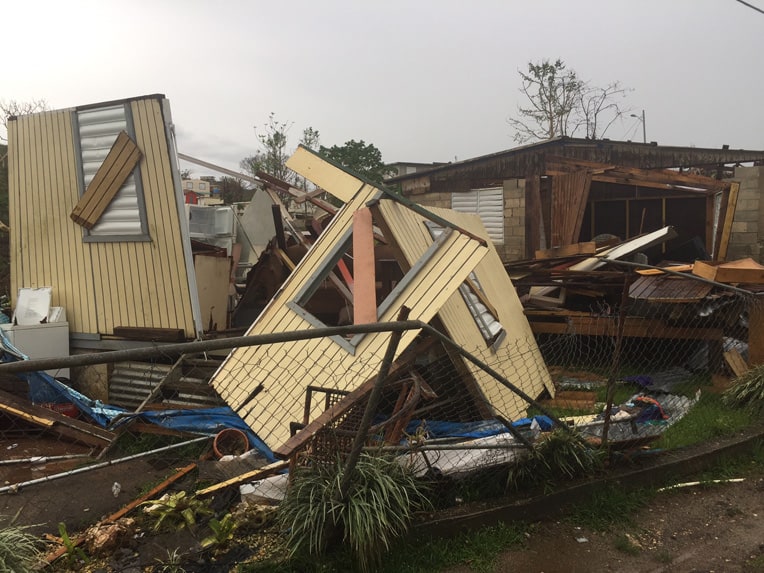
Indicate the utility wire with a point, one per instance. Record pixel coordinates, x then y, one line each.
751 6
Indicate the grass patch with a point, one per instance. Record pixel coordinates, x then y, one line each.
625 544
664 556
706 420
477 549
610 507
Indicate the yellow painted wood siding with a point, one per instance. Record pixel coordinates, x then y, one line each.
107 284
266 385
517 358
46 246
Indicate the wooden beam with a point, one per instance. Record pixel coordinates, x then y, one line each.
634 327
589 248
364 276
150 334
253 475
61 551
310 165
726 224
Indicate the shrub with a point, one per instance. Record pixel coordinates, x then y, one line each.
20 551
561 454
379 507
747 392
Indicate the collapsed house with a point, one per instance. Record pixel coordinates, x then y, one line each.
621 188
444 270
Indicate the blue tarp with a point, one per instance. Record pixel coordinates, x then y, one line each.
43 388
480 429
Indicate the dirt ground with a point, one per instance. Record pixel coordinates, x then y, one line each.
718 528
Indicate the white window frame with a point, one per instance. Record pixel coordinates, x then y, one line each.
97 234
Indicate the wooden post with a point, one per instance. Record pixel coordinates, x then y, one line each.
364 279
756 331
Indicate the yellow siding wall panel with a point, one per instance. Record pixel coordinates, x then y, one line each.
100 284
46 251
285 370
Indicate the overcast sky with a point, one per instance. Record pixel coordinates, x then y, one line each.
424 81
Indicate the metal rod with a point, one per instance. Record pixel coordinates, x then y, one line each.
155 351
371 408
16 487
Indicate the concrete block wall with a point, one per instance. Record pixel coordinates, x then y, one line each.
747 237
513 248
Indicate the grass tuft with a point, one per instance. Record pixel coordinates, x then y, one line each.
747 392
560 455
20 551
379 507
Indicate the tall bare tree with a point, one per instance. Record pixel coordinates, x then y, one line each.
552 92
559 103
10 108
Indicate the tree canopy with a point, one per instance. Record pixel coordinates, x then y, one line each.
362 158
560 103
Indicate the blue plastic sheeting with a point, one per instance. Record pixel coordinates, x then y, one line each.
201 421
43 388
480 429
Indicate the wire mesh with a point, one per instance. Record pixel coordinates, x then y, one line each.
442 412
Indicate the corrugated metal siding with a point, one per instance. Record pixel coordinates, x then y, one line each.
285 370
98 129
489 204
101 285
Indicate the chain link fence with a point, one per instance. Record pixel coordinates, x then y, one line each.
620 376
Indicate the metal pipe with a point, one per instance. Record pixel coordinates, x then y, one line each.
17 486
149 352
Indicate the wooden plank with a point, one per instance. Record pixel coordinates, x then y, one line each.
111 175
756 331
736 362
325 175
257 474
68 427
61 551
634 327
212 280
150 333
631 175
589 248
301 438
726 224
569 195
740 271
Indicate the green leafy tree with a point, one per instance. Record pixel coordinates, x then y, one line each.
362 158
560 103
